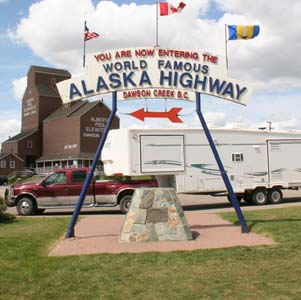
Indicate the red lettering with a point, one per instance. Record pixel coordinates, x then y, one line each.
210 58
144 52
103 56
123 53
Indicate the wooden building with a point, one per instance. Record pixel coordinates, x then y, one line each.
10 163
72 133
54 134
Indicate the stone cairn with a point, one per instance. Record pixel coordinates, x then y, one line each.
155 215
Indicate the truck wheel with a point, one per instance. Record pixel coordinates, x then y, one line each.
275 196
125 203
25 207
259 197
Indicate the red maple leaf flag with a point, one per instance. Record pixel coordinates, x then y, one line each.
167 9
88 35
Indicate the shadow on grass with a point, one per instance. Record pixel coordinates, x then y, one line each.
253 223
6 218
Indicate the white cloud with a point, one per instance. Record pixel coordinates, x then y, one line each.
215 119
9 125
19 86
271 60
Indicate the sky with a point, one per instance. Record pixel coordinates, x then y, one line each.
50 33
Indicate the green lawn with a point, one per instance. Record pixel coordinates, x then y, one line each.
266 272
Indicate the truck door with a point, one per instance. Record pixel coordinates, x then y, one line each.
54 192
77 179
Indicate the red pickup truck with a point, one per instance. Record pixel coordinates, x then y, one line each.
62 188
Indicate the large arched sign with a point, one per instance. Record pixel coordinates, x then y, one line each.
154 72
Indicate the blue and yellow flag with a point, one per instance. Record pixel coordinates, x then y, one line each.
243 32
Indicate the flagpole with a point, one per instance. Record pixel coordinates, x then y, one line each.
84 56
157 24
226 45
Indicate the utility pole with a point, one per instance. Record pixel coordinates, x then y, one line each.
270 125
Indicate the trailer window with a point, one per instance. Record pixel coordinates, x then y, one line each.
237 157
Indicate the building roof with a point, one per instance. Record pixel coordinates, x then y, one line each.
83 109
53 71
3 155
75 110
57 157
45 90
21 135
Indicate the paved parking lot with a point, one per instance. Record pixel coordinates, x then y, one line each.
203 203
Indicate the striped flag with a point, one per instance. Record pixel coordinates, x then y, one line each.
243 32
88 35
167 9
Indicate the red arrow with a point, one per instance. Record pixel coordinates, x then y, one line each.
172 114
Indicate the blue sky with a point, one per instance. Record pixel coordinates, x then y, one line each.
271 61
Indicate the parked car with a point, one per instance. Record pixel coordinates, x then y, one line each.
61 189
3 180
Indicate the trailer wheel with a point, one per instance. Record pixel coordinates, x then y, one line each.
275 196
25 207
125 203
259 196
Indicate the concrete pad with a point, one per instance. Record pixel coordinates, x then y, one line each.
99 234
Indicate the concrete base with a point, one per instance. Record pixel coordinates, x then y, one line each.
155 215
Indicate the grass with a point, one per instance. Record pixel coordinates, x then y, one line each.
266 272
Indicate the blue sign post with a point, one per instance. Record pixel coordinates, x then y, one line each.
70 230
244 227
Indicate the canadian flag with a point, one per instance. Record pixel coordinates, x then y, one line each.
167 9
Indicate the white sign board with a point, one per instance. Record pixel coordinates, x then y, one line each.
154 72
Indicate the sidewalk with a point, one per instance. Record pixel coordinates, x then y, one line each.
99 234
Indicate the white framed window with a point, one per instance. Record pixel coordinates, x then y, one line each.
3 163
29 144
12 164
237 157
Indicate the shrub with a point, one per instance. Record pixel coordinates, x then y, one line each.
2 205
4 216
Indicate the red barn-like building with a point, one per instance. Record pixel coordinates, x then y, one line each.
53 134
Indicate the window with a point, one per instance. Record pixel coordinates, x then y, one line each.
53 81
78 176
3 163
56 178
237 157
29 144
12 164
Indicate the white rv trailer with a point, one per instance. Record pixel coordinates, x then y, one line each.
258 163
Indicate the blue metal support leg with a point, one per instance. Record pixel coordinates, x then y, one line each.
70 231
244 227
